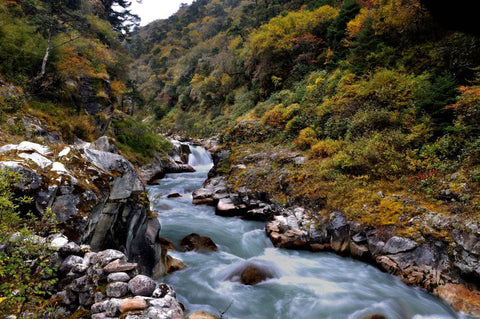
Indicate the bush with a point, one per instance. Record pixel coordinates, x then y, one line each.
136 137
26 274
326 148
306 138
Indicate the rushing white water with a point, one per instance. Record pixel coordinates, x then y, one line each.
199 158
306 285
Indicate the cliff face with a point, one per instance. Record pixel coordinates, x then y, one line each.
96 195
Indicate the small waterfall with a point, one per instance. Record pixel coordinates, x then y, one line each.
199 156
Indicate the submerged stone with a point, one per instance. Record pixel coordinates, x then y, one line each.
198 243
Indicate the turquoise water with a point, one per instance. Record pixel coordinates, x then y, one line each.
306 285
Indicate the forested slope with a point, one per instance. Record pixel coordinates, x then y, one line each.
62 65
377 97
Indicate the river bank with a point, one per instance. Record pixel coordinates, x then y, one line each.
297 283
444 265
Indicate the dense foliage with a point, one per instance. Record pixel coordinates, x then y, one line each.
371 90
62 62
26 268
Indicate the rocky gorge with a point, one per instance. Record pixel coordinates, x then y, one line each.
72 179
100 205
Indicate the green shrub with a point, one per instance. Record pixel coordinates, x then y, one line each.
306 138
138 138
326 148
26 273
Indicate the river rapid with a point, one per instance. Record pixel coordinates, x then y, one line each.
306 285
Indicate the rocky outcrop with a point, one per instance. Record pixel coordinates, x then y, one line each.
245 203
175 162
96 195
425 264
105 285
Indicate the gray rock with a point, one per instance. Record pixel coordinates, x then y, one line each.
57 241
32 181
123 185
359 238
118 276
163 290
70 248
98 297
103 144
300 160
69 263
106 256
81 284
166 307
469 242
141 285
339 231
79 268
27 147
111 307
160 313
117 289
99 307
398 244
292 222
318 234
65 206
39 160
119 266
89 258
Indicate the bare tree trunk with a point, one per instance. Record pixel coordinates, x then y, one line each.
47 53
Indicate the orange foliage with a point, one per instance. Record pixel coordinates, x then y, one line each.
73 65
118 87
469 95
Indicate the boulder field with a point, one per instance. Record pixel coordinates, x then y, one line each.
104 284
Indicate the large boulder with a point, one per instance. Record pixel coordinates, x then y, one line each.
97 196
250 273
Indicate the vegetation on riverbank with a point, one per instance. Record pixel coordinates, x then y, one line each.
378 98
26 271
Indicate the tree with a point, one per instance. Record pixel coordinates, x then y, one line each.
57 16
119 16
337 30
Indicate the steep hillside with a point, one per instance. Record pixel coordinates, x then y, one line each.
63 71
377 93
63 81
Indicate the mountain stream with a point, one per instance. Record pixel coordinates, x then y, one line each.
306 285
